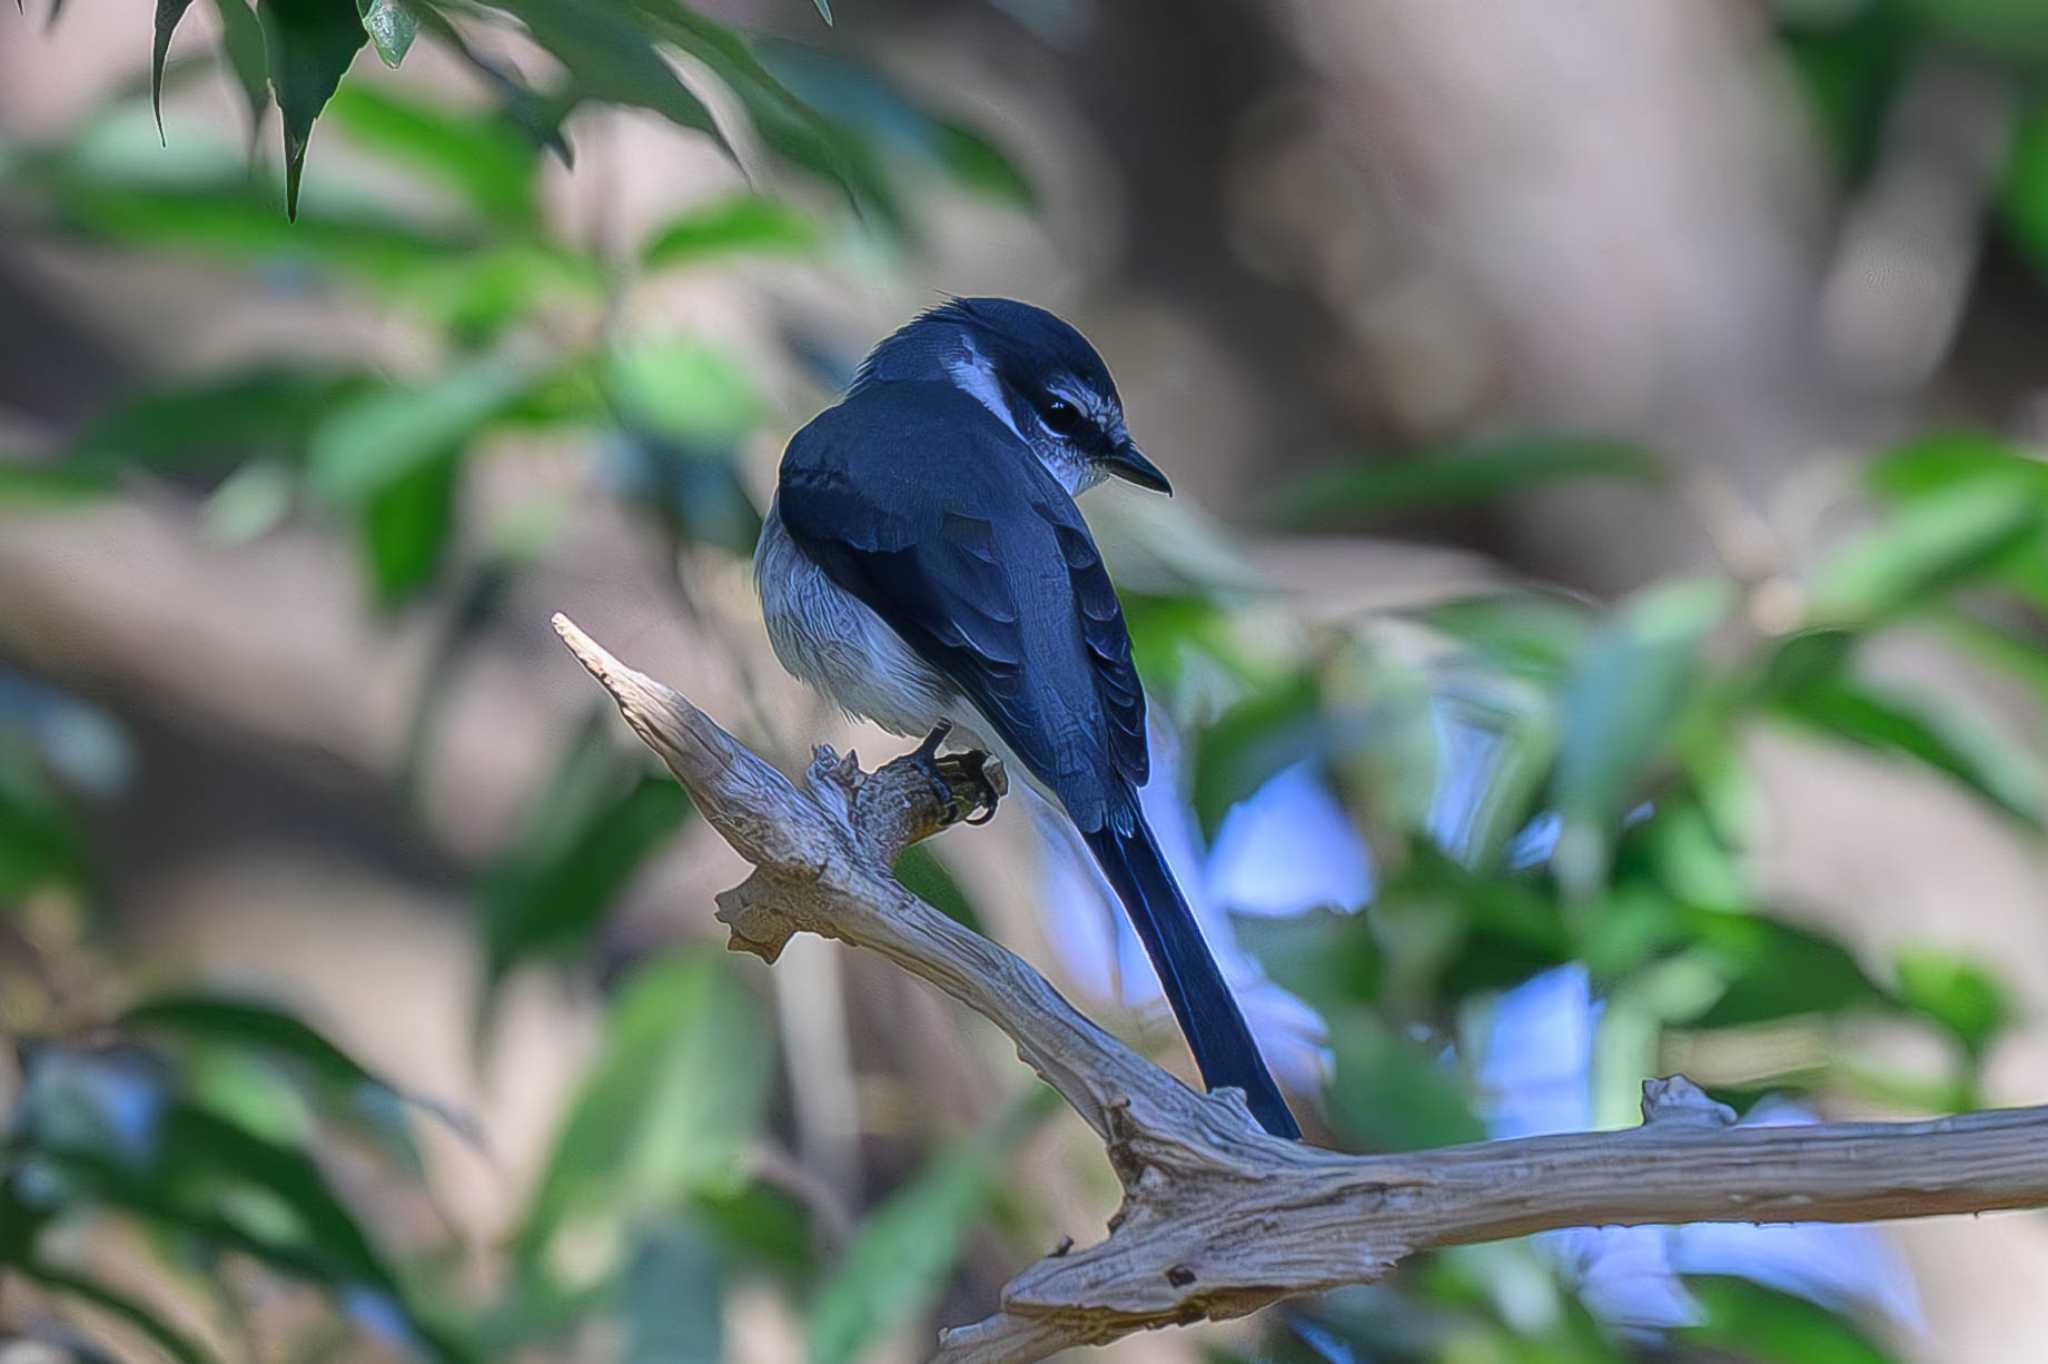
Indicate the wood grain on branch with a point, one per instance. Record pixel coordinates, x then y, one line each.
1220 1219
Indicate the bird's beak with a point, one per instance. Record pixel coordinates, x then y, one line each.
1128 463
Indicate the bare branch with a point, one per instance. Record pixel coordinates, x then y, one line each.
1220 1219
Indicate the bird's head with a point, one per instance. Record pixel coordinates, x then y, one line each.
1037 374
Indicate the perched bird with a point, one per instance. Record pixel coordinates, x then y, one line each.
924 566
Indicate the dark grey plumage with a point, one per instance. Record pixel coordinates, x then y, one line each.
925 561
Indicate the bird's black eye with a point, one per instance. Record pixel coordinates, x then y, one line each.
1061 417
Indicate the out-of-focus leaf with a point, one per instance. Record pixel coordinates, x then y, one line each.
2021 659
742 222
1943 739
241 43
310 44
392 25
1851 64
681 389
484 158
219 421
864 102
1327 958
1618 708
1252 741
115 1304
673 1285
1362 489
670 1106
386 435
2008 32
824 10
757 1226
404 528
1519 632
928 878
1960 995
695 492
251 1024
2025 197
28 483
1751 1322
607 49
590 838
40 841
903 1252
1946 462
168 14
1387 1094
1930 546
1775 970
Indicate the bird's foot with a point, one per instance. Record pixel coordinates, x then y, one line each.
954 773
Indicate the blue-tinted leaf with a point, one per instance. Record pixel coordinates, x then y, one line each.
1374 489
672 1103
310 44
905 1249
673 1310
1619 706
392 25
606 47
743 222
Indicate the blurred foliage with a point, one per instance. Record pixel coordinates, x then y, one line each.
207 1129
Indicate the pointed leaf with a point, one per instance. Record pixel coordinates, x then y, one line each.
168 13
485 158
1928 547
392 25
241 42
1961 995
744 222
310 44
404 529
906 1248
1635 676
607 49
116 1304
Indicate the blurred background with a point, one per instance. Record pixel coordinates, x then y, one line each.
1602 630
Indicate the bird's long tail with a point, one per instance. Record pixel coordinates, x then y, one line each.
1194 986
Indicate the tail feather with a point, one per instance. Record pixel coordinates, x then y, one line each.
1223 1046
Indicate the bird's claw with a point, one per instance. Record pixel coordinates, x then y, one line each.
948 774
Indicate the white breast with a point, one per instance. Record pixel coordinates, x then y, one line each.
830 639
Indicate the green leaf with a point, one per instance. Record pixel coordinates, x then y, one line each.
222 420
27 483
484 158
1890 721
681 389
391 433
671 1105
1254 740
1374 489
1519 632
168 15
2021 659
606 47
929 879
1960 995
1943 463
1387 1094
743 222
1775 970
241 42
310 44
41 842
251 1024
1929 547
392 25
404 529
1618 709
115 1304
1747 1321
590 831
906 1248
2024 202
